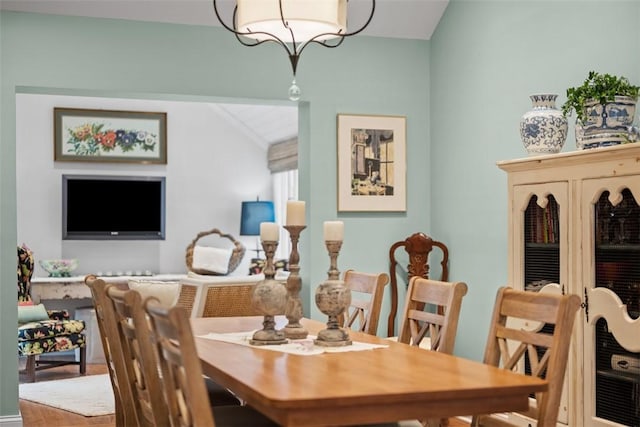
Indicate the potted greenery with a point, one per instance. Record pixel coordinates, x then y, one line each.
605 106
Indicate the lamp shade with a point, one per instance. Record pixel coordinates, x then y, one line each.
254 213
306 19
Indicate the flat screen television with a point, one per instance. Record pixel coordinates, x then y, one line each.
111 207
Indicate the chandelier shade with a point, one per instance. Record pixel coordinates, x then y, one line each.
292 21
293 24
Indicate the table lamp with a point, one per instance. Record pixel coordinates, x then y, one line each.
254 213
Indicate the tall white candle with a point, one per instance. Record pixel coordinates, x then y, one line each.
295 212
333 231
269 232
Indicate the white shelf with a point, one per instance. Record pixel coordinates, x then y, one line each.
56 288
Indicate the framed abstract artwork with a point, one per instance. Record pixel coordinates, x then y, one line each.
372 163
109 136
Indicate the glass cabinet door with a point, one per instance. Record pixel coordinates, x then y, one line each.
539 251
611 274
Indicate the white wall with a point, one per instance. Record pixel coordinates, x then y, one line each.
211 168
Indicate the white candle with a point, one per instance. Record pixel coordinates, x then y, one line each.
333 231
295 212
269 232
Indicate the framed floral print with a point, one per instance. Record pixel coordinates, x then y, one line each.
371 163
109 136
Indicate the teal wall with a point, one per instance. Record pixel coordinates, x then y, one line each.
52 54
487 57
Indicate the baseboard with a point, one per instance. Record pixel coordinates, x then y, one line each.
11 421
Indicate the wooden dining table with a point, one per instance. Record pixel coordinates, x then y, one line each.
397 382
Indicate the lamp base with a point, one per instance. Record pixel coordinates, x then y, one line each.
257 251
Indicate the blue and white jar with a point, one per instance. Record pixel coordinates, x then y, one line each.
606 124
543 129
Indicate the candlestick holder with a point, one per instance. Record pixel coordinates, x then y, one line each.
294 329
333 298
269 298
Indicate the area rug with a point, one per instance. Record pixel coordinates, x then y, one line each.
90 396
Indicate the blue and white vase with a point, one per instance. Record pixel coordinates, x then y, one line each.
543 129
606 124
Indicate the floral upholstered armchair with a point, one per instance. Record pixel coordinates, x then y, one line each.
44 331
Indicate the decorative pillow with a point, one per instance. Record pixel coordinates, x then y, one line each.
165 292
214 260
32 313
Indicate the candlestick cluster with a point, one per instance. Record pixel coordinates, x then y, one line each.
270 297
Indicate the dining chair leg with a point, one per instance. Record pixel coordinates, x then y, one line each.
119 414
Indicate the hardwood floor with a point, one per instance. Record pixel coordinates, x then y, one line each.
36 415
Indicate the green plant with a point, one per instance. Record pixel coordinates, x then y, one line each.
599 87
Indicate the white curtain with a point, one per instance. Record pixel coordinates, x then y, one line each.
285 187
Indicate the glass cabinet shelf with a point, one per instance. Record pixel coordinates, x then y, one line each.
622 376
619 247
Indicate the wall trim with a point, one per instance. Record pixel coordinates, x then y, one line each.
11 421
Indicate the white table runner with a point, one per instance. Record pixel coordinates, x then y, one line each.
304 347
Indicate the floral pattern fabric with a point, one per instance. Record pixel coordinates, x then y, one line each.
51 344
25 271
49 328
59 333
58 314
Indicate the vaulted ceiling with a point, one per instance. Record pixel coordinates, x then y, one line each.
408 19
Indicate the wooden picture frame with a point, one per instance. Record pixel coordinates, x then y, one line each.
371 163
109 136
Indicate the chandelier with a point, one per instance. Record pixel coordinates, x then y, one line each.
293 24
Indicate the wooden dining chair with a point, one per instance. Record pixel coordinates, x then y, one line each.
512 340
367 291
141 364
431 312
182 379
125 413
418 247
